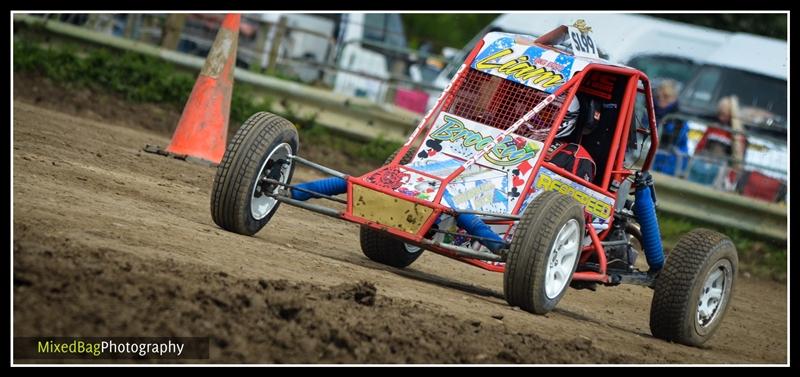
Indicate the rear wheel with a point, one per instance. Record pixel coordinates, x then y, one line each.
240 198
544 253
383 248
693 291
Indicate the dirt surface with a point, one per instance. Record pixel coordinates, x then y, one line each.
112 241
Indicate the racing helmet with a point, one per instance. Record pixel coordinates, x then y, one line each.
570 118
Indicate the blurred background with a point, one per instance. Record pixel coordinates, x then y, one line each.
405 60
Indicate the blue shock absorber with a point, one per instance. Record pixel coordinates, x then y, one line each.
327 186
476 227
645 210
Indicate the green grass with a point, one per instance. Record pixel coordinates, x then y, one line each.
141 78
374 151
763 258
136 77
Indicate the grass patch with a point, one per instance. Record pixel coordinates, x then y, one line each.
763 258
141 78
374 151
136 77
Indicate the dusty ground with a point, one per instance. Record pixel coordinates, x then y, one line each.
111 241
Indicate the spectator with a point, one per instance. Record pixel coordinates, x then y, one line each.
674 145
716 150
666 101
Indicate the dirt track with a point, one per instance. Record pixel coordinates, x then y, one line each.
111 241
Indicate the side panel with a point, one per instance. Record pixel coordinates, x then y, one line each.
600 206
494 183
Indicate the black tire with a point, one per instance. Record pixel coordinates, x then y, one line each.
234 182
524 280
674 310
383 248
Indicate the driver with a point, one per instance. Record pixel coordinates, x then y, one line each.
569 156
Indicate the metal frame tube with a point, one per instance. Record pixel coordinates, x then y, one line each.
614 243
479 238
319 167
483 213
311 207
293 187
464 252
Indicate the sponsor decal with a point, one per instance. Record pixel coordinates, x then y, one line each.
506 153
522 68
596 204
506 56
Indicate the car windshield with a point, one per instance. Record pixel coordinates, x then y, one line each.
711 83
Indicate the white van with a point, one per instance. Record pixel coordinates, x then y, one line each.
668 48
366 44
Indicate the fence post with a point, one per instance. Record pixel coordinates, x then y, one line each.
173 26
92 21
276 43
132 25
261 43
128 26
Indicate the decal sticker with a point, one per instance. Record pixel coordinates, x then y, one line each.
596 204
405 182
531 65
465 138
495 182
479 189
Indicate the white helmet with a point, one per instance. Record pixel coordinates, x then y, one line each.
570 118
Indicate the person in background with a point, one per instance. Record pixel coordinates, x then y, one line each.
666 99
718 150
674 142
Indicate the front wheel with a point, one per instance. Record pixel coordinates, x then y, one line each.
544 253
693 291
241 200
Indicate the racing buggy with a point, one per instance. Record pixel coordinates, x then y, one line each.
529 164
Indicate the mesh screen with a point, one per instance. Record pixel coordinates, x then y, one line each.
497 102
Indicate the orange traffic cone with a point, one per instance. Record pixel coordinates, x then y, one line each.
203 128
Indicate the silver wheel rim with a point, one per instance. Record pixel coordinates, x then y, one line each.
261 205
561 259
411 249
714 293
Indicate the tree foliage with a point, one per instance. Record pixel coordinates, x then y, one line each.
766 24
444 29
